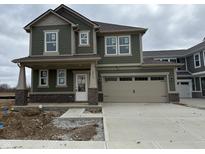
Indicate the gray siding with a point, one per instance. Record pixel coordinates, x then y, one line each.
82 25
64 40
133 58
52 82
190 63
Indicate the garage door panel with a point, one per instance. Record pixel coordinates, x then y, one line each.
135 91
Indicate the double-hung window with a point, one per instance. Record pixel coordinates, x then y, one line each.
84 38
51 41
197 60
124 45
117 45
111 45
43 78
61 77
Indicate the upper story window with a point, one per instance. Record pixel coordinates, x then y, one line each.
43 78
84 38
51 41
61 77
173 60
197 60
117 45
124 44
111 45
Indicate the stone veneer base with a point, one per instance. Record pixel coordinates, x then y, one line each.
174 97
52 98
21 97
93 96
197 95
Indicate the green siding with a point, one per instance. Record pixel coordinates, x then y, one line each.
64 39
82 25
171 75
133 58
52 82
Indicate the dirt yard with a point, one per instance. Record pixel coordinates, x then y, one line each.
34 124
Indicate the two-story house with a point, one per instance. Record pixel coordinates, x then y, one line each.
191 75
75 59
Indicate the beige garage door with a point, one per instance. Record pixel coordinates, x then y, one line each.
135 89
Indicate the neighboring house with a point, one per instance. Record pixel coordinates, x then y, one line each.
190 76
74 59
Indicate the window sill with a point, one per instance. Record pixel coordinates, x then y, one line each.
125 55
81 45
43 86
61 86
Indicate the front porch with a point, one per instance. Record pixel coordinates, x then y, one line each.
58 80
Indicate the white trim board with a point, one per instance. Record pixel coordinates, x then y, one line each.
134 74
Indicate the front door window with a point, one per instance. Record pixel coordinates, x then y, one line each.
81 83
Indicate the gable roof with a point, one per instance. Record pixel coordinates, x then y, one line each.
198 47
152 62
164 53
108 27
50 11
77 14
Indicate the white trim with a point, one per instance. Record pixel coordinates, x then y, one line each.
135 74
204 56
88 37
47 78
65 78
105 42
199 73
114 65
45 43
195 60
168 59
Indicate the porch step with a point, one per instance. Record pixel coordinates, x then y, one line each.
73 112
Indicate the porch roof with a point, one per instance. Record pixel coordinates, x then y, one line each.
55 60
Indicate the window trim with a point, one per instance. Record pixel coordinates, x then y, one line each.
195 60
45 42
117 46
88 38
110 45
57 77
47 78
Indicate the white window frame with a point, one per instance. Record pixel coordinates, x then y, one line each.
65 77
41 85
110 45
195 60
88 38
118 44
45 42
168 59
204 56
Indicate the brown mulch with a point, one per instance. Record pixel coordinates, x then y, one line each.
35 124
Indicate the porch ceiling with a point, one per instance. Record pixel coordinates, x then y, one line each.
75 61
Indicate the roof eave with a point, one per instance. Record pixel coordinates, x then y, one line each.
28 26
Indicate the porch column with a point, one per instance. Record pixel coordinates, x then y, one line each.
93 90
21 92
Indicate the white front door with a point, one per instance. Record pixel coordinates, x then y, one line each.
81 87
184 88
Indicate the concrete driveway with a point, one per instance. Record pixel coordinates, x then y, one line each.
141 125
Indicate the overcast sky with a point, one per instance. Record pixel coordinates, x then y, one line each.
169 27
